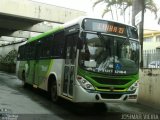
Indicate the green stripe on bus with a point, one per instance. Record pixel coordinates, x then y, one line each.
58 28
49 68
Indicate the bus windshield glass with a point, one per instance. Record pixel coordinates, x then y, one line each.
109 54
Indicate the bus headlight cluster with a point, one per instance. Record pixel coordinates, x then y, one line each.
84 83
133 87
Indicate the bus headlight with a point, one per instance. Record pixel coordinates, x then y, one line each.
133 87
85 84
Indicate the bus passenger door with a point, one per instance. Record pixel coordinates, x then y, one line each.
70 62
31 63
36 65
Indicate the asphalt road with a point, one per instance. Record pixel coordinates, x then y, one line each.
18 103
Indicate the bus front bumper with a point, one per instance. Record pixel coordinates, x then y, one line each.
82 95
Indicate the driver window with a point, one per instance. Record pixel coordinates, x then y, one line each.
85 54
126 50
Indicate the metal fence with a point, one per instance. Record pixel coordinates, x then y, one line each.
151 58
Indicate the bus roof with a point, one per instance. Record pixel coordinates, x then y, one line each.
57 28
80 19
68 24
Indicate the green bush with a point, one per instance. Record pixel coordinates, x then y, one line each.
10 58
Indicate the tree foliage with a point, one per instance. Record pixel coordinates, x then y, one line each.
123 5
9 58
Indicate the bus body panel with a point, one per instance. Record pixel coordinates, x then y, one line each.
42 70
55 67
58 68
20 68
104 86
38 71
84 96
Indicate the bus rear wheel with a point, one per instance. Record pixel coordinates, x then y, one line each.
53 92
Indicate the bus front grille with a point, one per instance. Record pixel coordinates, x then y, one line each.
111 81
110 96
110 88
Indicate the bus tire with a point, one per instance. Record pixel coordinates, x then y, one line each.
53 92
23 79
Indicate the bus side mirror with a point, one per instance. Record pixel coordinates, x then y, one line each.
79 44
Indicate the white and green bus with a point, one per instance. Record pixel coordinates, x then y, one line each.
86 60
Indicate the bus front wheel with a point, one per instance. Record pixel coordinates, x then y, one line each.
53 92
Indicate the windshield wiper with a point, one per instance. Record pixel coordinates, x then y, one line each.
126 40
101 37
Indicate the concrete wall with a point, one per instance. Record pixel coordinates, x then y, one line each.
33 10
152 42
149 87
151 45
6 49
151 39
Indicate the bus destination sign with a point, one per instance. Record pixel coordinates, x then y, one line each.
105 26
108 28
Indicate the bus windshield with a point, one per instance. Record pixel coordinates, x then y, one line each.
109 54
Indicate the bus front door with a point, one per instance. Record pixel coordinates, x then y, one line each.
69 67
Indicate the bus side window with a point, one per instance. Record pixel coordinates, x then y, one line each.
27 51
32 51
46 47
58 42
43 47
38 49
21 53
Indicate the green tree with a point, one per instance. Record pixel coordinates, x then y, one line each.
114 6
123 5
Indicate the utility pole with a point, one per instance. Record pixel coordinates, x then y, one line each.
138 6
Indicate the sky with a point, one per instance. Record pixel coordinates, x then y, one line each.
86 5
